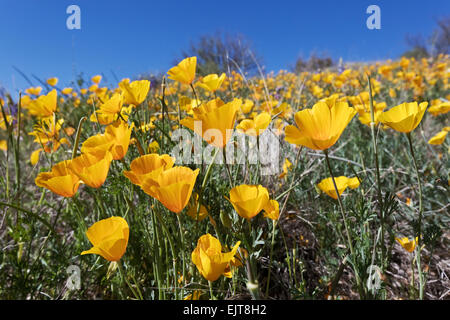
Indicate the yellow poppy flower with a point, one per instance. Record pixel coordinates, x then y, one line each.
44 106
319 128
46 133
34 158
148 166
440 108
392 93
286 166
52 81
196 295
342 183
109 238
283 110
108 110
249 200
212 82
92 168
247 106
153 147
405 117
209 259
408 245
96 79
9 121
3 145
135 92
66 91
98 142
366 118
187 104
116 139
256 126
184 72
93 88
35 91
59 180
120 133
439 138
272 210
331 100
214 115
173 187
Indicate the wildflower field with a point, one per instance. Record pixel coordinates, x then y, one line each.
315 185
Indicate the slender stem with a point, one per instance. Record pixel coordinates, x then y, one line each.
42 197
274 224
29 213
137 287
412 275
380 198
16 149
182 253
288 257
227 167
97 195
211 291
205 180
292 186
252 284
124 278
344 218
138 143
163 107
157 245
419 224
77 138
195 93
172 248
338 276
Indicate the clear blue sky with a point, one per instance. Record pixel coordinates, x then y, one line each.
135 36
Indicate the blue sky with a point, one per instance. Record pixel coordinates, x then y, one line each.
136 36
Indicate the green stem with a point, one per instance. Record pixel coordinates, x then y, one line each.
195 93
182 253
77 138
349 240
124 278
227 167
31 214
172 248
157 245
16 149
211 291
252 284
419 224
274 224
205 180
380 198
412 276
288 256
